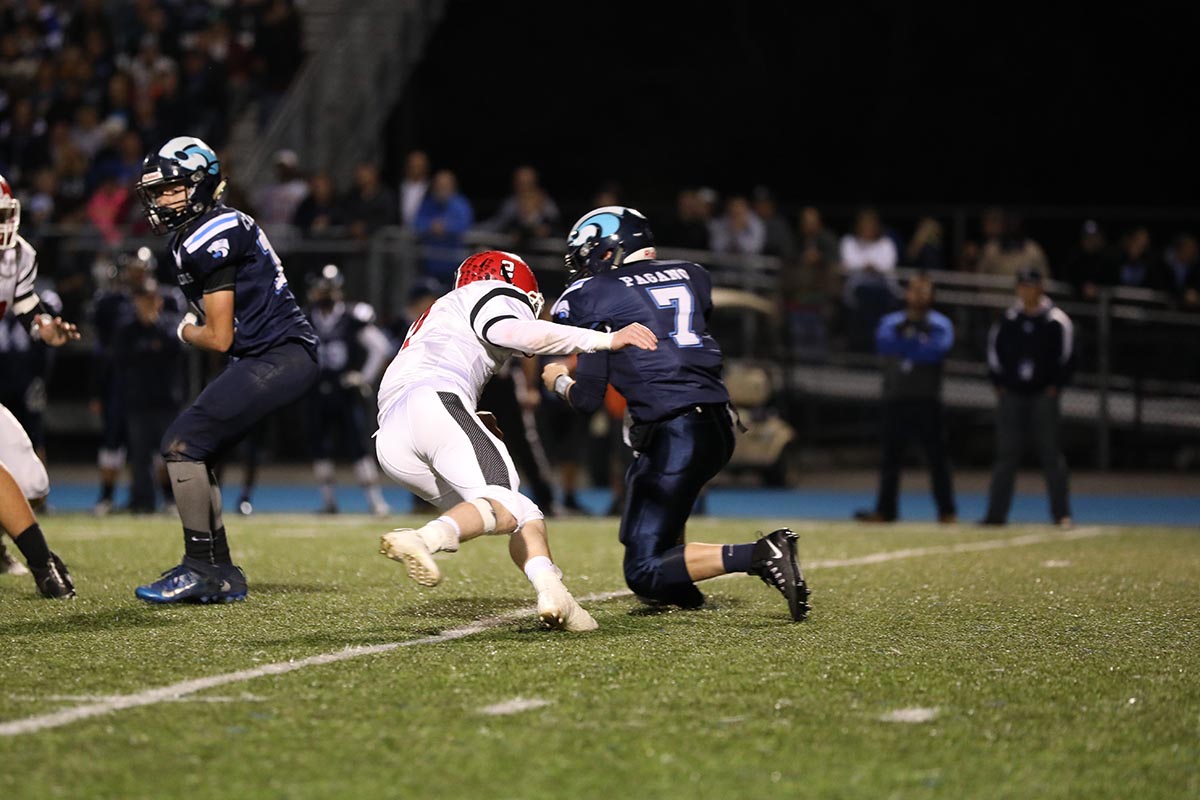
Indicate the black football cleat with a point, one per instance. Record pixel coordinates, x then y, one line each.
53 580
775 562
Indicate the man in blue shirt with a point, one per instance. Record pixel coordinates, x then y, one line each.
682 430
913 343
235 284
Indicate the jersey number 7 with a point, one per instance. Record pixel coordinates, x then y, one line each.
679 297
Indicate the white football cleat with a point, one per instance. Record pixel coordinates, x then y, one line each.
403 544
10 565
559 610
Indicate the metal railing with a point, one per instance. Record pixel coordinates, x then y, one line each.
1138 361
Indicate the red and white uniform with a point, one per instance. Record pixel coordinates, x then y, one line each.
18 272
430 439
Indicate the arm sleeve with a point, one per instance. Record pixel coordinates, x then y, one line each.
26 303
995 370
378 348
887 340
544 338
591 383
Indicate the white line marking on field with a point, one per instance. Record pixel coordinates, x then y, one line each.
910 715
1056 563
244 697
514 706
175 691
964 547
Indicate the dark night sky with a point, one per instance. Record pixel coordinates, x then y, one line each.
829 103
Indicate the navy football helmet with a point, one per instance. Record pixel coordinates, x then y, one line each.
325 287
607 237
185 162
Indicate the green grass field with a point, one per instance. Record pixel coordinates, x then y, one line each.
937 663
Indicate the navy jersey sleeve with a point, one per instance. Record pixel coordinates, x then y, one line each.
213 253
575 307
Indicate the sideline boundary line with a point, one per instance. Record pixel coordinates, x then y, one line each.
175 691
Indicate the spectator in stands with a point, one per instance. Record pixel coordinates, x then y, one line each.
1136 265
738 231
370 205
868 261
609 194
913 343
689 228
109 207
319 214
413 186
278 51
276 202
809 284
442 222
1013 251
1090 266
147 361
1030 358
1180 271
529 211
925 250
780 240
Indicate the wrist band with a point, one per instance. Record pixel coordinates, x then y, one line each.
561 384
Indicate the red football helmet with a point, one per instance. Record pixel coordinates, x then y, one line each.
497 265
10 215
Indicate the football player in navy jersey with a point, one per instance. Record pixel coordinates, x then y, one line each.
682 430
241 305
353 354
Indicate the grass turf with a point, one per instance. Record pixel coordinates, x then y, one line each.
1059 668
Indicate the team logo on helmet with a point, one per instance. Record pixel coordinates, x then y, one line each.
192 154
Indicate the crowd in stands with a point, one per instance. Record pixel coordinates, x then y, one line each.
87 87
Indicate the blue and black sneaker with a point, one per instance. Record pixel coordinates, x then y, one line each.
232 585
194 581
190 581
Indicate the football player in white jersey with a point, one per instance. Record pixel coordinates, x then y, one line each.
432 441
22 474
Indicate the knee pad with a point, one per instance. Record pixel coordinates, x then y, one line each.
484 507
521 507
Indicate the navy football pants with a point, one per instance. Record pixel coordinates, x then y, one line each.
662 484
248 390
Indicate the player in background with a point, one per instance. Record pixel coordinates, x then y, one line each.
242 306
433 443
352 356
682 430
111 307
22 474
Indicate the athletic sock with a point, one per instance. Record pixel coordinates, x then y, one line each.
32 545
441 534
220 548
198 545
539 566
737 557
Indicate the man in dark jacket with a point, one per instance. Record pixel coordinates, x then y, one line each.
1030 356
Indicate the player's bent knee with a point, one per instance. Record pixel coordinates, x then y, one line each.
512 508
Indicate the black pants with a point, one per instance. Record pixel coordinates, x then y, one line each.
1019 417
236 400
145 428
678 458
920 418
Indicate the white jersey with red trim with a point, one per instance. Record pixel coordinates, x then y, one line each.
467 335
18 273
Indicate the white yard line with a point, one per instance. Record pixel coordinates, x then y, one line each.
964 547
175 691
